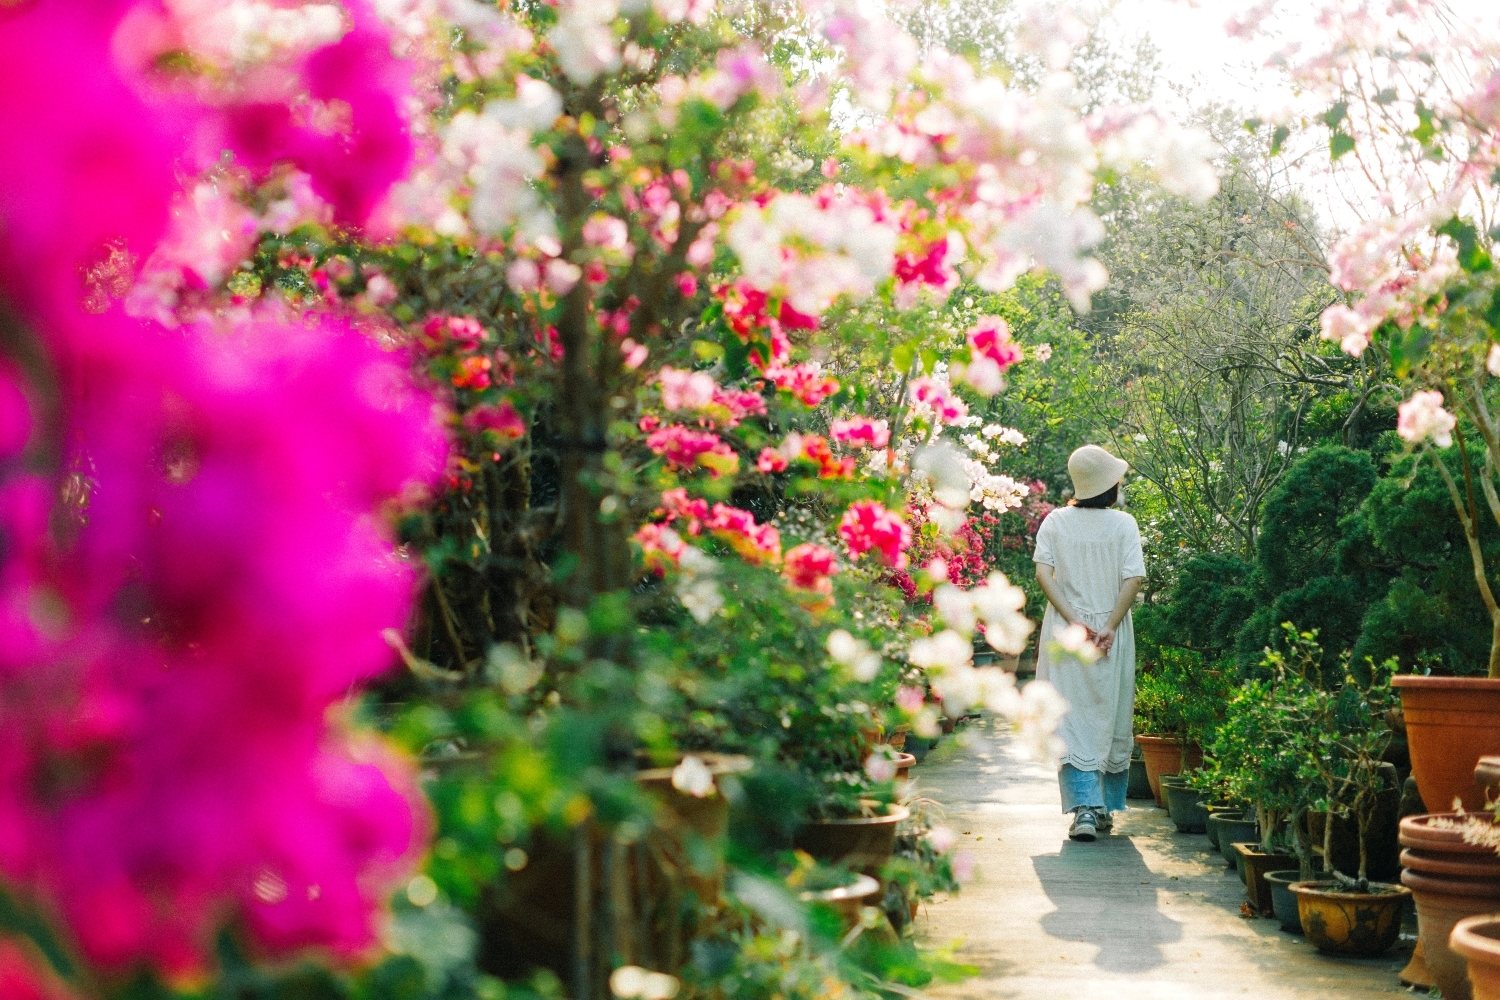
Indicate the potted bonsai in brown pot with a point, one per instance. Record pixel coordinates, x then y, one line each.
1177 705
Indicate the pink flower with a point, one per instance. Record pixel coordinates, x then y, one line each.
757 543
1423 417
938 400
606 232
503 421
687 283
862 432
684 448
880 767
739 404
473 373
770 461
675 504
867 525
686 390
990 338
632 354
909 699
814 448
805 381
1349 328
808 567
661 547
463 333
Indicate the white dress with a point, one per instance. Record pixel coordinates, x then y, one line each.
1091 552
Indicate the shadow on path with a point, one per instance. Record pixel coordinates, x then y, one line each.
1101 898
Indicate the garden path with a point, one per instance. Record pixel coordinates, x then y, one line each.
1147 914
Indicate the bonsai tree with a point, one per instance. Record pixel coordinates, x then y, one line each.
1344 739
1179 698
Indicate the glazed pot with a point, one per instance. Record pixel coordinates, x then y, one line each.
1477 939
848 900
1212 824
918 746
1441 903
1186 809
1163 755
1254 863
1139 786
864 843
1236 829
1356 924
1450 723
1283 902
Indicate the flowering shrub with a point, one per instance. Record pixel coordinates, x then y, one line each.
504 287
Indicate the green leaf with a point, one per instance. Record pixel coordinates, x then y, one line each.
1340 143
1278 137
1425 129
1252 125
902 355
1492 314
1386 96
1471 256
1336 114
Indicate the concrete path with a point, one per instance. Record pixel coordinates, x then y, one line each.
1147 914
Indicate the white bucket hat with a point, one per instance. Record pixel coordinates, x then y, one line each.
1094 470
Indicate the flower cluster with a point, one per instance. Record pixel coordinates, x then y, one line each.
868 526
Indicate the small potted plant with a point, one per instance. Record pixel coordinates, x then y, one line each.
1177 705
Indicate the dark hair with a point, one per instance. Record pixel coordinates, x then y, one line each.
1105 499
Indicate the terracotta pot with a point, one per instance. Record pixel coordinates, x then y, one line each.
898 738
864 843
847 900
1163 755
947 725
1416 974
904 762
1421 833
1350 923
1186 809
1255 864
1283 901
1441 903
1477 939
1477 867
1450 722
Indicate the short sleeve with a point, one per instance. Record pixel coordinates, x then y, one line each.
1044 536
1133 563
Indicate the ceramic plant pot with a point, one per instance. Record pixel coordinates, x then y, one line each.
1487 773
1139 786
1441 903
1450 881
1186 809
1356 924
1213 823
1254 863
1450 723
848 900
904 762
864 843
1163 755
1233 830
1283 902
1477 939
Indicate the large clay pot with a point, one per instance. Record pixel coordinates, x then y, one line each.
1441 903
1283 900
864 843
1256 863
1163 755
1450 722
1450 880
1350 923
1477 939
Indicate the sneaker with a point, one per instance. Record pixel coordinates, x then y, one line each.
1104 822
1083 827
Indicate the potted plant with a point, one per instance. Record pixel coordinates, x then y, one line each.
1346 734
1176 706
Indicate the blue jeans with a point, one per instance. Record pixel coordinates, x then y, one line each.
1094 789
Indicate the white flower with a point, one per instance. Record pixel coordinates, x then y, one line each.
942 839
999 603
843 647
1423 417
1074 640
955 607
1012 436
631 982
1042 352
692 777
1493 361
584 39
992 430
1283 449
856 654
946 651
880 767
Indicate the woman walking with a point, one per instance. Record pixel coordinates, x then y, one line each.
1089 563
